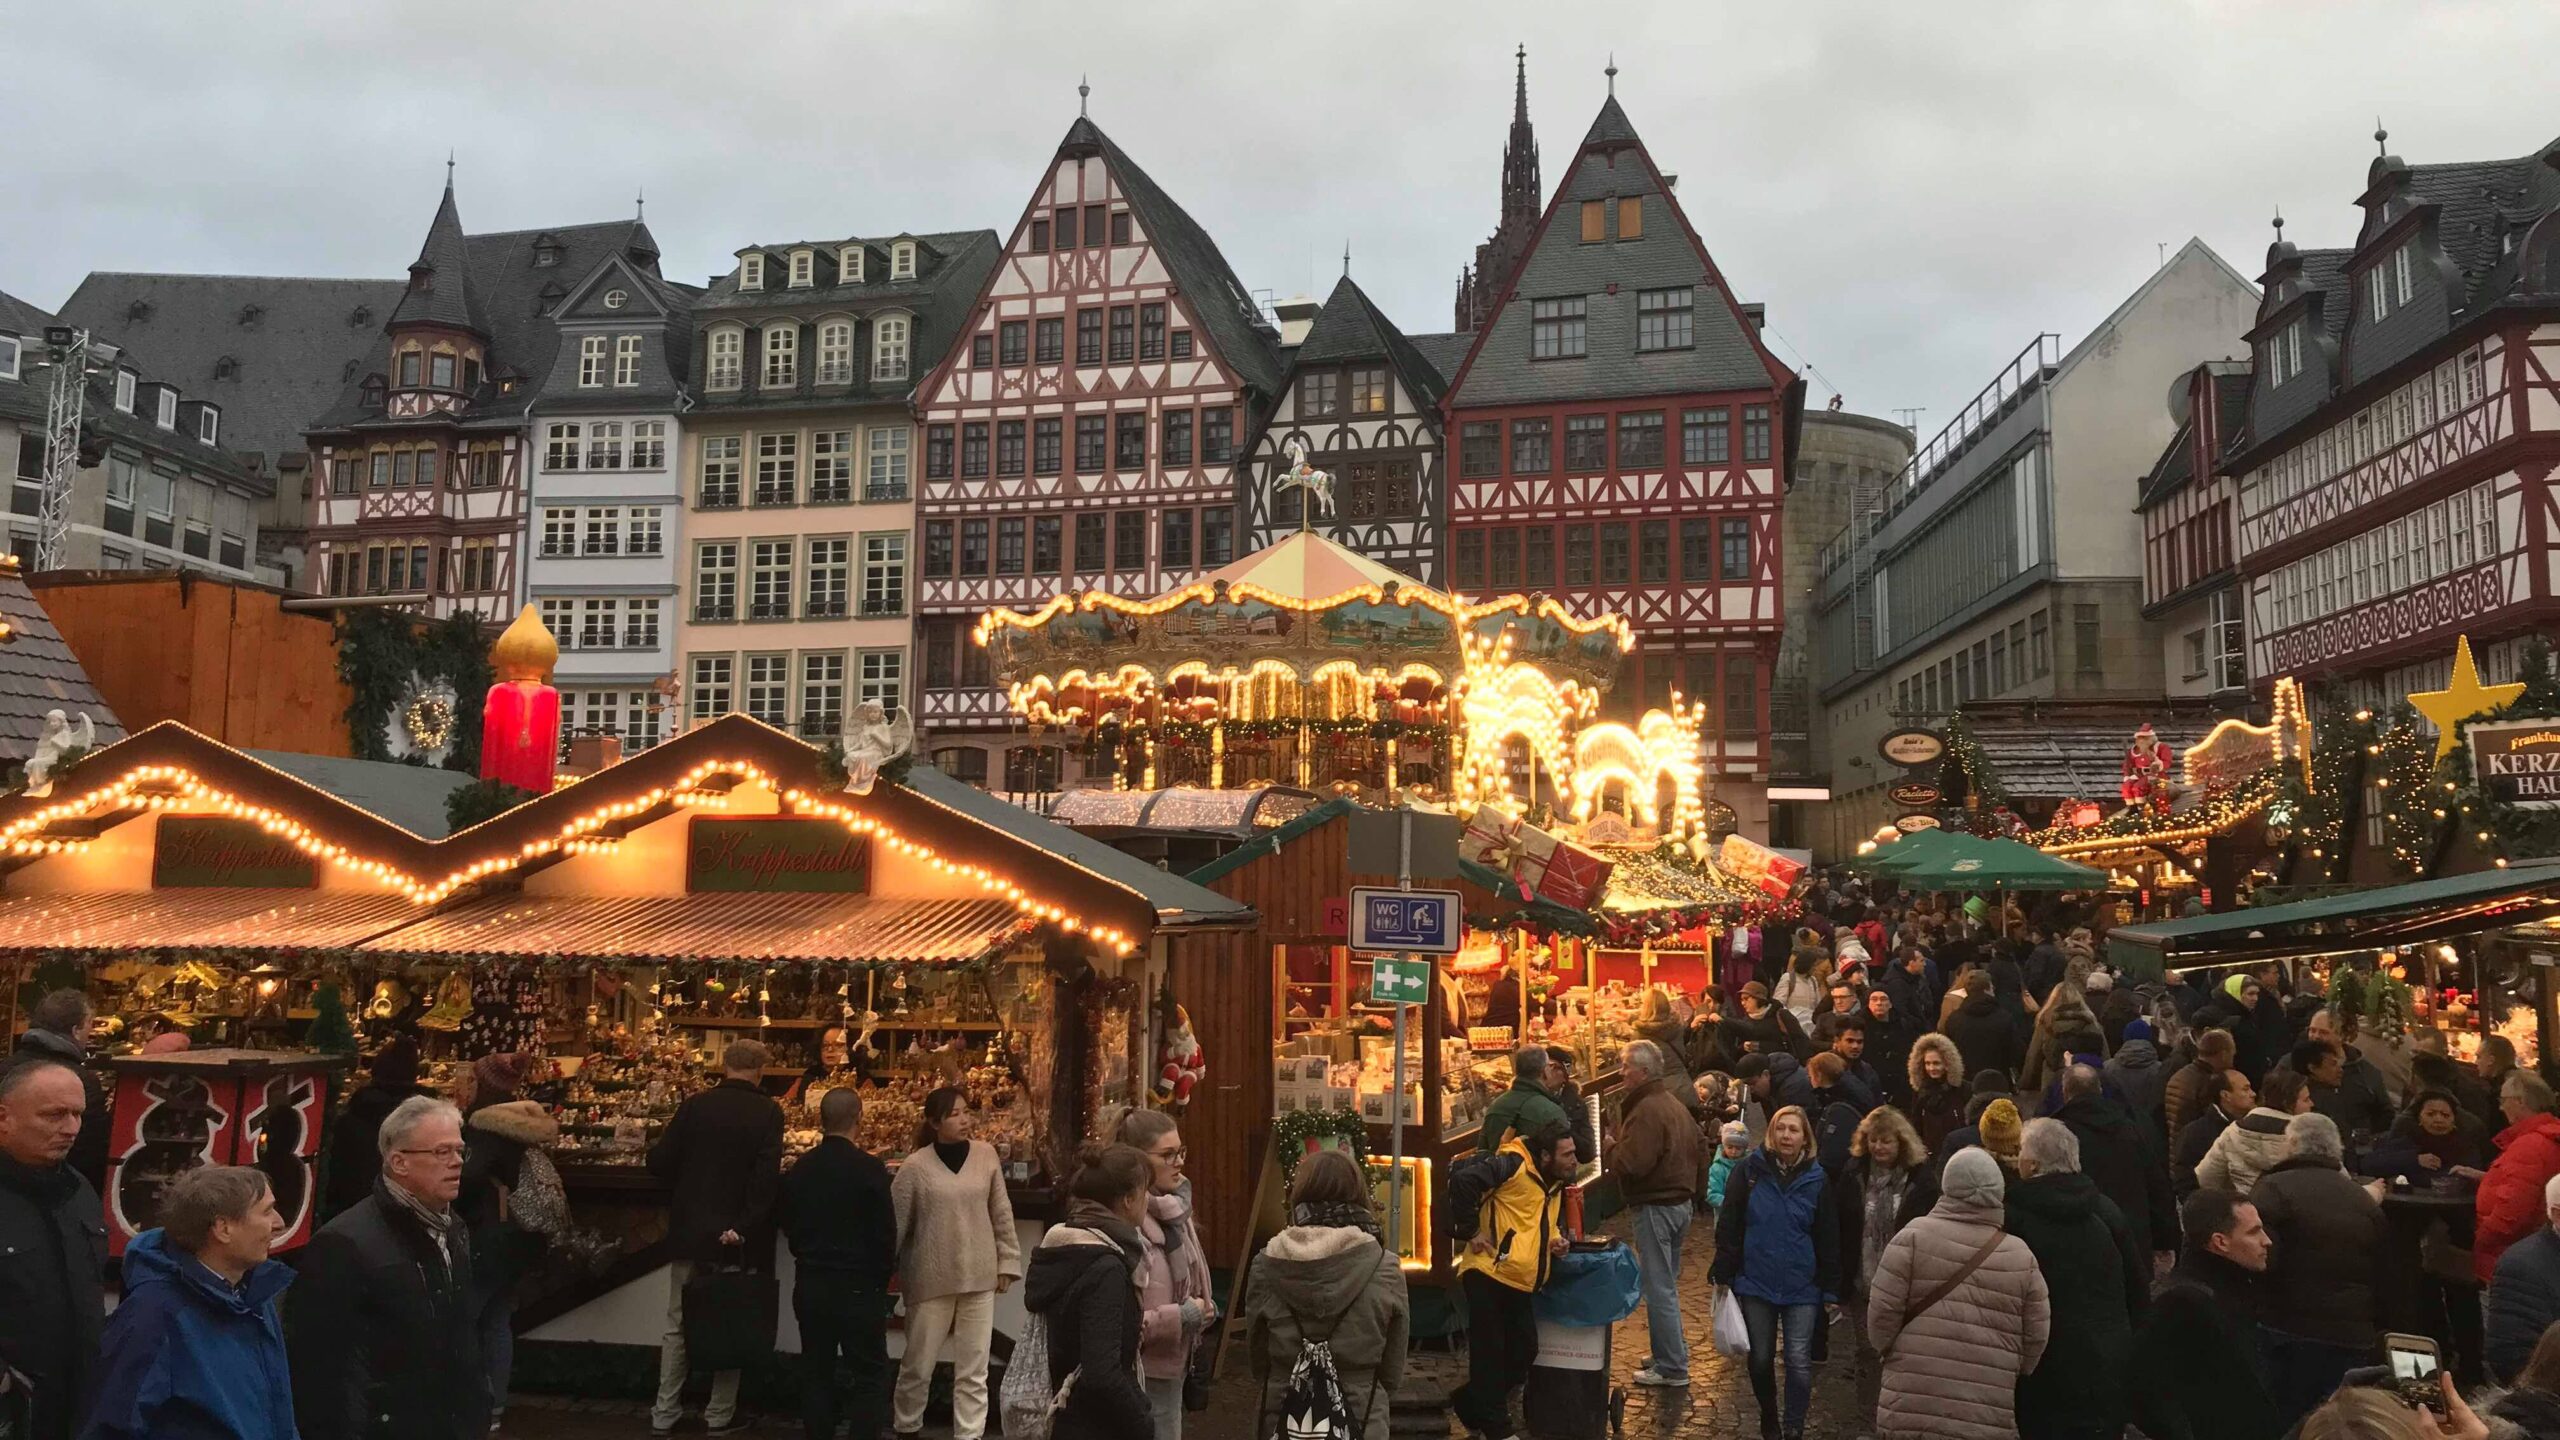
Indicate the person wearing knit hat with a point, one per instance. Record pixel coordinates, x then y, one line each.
497 1078
2001 1129
1958 1309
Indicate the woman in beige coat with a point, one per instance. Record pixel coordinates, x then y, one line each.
1952 1356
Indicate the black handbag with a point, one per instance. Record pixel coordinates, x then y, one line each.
730 1316
1197 1377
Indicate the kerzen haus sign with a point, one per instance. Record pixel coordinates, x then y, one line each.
812 856
2518 761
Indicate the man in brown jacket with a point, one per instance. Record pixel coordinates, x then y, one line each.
2190 1092
1657 1164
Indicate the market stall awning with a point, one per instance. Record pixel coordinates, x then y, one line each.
2352 920
723 926
1900 855
1970 862
207 919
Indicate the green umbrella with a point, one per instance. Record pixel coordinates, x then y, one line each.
1969 862
1902 854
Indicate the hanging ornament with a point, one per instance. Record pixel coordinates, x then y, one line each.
423 722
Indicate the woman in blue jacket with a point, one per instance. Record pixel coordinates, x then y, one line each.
1778 1248
195 1350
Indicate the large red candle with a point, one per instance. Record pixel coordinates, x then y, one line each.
520 720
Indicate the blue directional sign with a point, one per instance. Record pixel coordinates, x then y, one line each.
1424 921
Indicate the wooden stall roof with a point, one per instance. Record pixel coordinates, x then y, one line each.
212 919
738 926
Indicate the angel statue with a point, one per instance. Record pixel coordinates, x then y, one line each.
56 740
871 740
1317 483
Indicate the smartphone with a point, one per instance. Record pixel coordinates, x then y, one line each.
2412 1357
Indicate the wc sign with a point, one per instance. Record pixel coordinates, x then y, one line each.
1423 921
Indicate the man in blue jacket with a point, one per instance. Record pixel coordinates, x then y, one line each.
196 1349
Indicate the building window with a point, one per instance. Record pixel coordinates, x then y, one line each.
1320 395
647 535
1014 341
1128 540
884 574
1741 696
409 360
973 547
1614 567
1009 545
883 679
1697 550
1640 441
9 371
2400 271
728 347
2085 650
1369 390
1091 440
1396 488
1046 440
777 469
1119 227
1653 552
1662 318
1066 228
1217 536
1177 437
1505 570
830 467
849 265
2039 645
1174 549
1091 542
835 352
889 348
982 352
966 765
1093 227
1577 556
11 349
768 689
1124 334
1595 221
1532 446
560 449
1361 490
1012 452
1181 344
1539 557
604 451
769 580
1217 435
1705 436
821 694
715 580
708 694
604 531
1735 545
439 369
1048 538
902 260
1586 444
937 452
973 450
1129 440
1470 560
721 467
1049 341
781 355
626 362
1088 337
648 444
1150 319
1040 236
804 269
1556 328
1480 448
937 549
1755 432
751 272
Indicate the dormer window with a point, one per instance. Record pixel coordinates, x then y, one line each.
10 346
849 265
373 387
889 348
168 412
548 302
750 272
250 315
782 355
226 368
410 360
138 311
902 260
440 370
804 269
2400 272
546 253
125 381
360 317
727 352
209 425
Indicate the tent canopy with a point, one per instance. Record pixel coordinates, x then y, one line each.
1900 855
1969 862
2360 919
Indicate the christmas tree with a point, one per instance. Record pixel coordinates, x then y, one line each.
330 1031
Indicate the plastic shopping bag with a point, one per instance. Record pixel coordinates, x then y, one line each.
1732 1336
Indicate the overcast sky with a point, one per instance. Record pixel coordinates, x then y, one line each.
1914 190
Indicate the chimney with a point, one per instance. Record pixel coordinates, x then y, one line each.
1297 315
593 754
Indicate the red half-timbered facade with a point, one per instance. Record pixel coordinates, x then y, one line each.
1618 437
419 490
2190 577
1082 433
2394 482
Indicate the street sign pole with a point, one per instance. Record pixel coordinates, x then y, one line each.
1395 1105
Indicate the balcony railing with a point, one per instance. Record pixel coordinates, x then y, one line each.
826 609
715 610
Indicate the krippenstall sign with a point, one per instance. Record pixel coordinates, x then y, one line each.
2518 761
196 852
811 856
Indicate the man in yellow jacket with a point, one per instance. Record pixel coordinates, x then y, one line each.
1510 1199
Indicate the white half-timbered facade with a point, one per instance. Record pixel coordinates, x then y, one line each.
1082 433
2393 485
1363 403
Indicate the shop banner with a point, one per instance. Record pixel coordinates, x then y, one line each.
2518 761
785 852
1757 864
217 851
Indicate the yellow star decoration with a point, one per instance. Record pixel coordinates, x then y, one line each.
2463 697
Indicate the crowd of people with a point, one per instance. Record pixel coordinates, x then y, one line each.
2016 1193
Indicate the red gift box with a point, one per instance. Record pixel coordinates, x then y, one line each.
1572 877
1489 837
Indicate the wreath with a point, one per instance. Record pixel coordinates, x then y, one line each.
1291 1132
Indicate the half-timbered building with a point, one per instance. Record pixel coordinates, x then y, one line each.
800 527
425 451
2394 480
1083 433
1621 433
2190 580
1362 403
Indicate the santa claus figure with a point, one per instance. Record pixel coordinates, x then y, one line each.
2146 769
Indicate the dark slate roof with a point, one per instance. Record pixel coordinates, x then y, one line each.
294 343
1445 350
24 400
2174 468
440 289
1350 327
1609 274
951 268
1178 901
409 796
38 672
1209 285
656 309
2478 204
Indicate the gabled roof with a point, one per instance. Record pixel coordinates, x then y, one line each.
38 673
1350 327
1610 127
24 400
293 342
1445 350
439 290
1209 285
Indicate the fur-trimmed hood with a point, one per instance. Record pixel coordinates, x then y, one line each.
1920 1050
523 1121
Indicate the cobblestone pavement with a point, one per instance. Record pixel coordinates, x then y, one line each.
1718 1404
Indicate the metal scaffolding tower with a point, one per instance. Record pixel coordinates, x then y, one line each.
73 356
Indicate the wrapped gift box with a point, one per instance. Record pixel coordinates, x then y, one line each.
1488 838
1567 875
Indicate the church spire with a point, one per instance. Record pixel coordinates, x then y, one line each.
1521 192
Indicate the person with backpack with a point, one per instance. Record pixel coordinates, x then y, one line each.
503 1133
1778 1251
1503 1210
1327 1317
1083 1289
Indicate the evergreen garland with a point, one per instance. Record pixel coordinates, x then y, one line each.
1981 780
381 650
1291 1131
481 800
